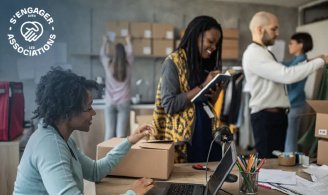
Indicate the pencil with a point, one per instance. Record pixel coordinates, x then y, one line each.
245 178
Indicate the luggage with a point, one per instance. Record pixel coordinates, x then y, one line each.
11 110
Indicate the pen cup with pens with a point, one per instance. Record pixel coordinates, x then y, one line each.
249 174
248 182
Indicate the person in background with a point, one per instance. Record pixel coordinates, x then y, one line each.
267 79
184 74
118 87
52 163
300 44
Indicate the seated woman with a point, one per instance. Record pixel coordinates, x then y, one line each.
185 72
52 163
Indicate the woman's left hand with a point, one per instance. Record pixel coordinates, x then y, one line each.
145 130
214 95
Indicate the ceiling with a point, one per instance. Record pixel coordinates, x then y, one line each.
284 3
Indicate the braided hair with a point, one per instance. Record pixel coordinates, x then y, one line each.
189 43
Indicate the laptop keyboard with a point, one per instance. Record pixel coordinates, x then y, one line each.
180 189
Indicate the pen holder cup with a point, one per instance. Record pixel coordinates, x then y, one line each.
248 182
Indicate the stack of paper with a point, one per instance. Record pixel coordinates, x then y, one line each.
277 176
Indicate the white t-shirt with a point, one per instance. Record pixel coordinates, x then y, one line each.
266 78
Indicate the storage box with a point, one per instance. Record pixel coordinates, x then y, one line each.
230 44
321 125
230 33
154 159
228 53
141 30
119 28
142 47
163 47
110 46
322 158
163 31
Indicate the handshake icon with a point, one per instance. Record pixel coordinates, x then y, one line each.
31 31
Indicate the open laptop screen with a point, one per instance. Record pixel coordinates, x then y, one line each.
222 170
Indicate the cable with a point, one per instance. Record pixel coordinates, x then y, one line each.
208 156
226 191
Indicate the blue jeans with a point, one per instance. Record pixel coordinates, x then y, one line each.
293 128
119 118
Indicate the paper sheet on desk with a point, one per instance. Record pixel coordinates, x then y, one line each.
277 176
317 171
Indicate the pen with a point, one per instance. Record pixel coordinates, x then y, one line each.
258 169
264 186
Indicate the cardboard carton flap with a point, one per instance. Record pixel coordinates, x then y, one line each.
163 145
319 106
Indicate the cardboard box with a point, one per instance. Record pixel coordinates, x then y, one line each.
322 158
163 47
230 44
142 119
119 28
142 47
154 159
230 33
163 31
230 53
141 30
321 125
110 46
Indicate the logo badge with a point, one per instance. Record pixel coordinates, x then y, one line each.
32 23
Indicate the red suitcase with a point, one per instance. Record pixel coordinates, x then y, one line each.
11 110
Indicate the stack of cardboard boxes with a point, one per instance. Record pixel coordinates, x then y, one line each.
321 127
149 39
230 45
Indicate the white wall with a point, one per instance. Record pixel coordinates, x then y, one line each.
319 33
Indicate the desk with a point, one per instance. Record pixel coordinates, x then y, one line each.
183 173
9 160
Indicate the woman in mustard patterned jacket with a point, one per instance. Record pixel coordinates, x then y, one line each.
185 72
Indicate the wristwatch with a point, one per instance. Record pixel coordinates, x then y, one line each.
200 86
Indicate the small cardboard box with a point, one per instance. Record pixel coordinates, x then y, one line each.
230 33
321 125
230 44
142 47
230 53
119 28
163 47
163 31
141 30
322 158
154 159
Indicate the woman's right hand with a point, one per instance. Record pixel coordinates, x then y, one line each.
210 76
142 186
325 58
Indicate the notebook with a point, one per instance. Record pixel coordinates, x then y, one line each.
200 97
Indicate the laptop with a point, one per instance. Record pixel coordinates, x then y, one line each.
213 185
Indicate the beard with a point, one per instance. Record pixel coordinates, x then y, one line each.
266 40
